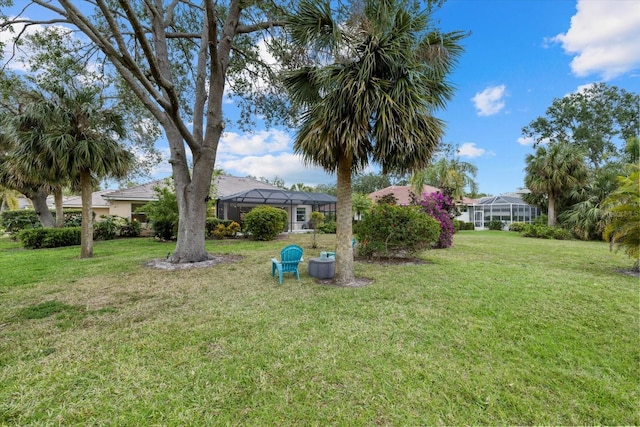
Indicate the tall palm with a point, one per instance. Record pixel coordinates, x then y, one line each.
74 133
623 208
553 171
372 97
451 174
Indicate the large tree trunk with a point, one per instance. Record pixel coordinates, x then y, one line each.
344 224
86 237
191 194
59 210
551 214
39 202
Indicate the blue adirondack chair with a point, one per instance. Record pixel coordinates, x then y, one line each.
290 257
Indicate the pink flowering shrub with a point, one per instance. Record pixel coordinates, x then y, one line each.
441 207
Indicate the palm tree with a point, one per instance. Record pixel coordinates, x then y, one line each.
372 98
453 175
553 171
75 137
623 207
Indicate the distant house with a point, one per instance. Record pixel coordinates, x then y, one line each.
99 205
507 208
234 198
403 193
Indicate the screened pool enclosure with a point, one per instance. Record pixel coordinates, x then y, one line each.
506 208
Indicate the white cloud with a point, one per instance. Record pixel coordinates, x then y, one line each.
265 141
469 149
287 166
530 141
604 38
490 101
525 140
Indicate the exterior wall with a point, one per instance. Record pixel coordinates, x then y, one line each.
121 208
100 211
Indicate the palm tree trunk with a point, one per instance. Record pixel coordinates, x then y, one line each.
86 237
344 226
551 221
39 202
59 210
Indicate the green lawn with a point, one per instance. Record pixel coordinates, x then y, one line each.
498 329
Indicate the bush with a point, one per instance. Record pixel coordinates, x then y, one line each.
546 232
517 226
16 220
128 228
105 229
395 231
164 229
265 222
224 231
36 238
328 227
163 213
213 223
441 207
462 225
72 217
496 225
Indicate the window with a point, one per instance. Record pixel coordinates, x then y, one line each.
301 214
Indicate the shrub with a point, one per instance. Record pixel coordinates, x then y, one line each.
328 227
517 226
128 228
265 222
36 238
213 223
395 231
441 207
106 228
16 220
72 217
163 213
164 229
496 225
223 231
546 232
469 226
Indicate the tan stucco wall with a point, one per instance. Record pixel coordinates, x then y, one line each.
100 211
120 208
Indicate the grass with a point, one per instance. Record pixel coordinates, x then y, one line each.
498 329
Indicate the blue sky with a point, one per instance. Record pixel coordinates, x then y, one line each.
520 55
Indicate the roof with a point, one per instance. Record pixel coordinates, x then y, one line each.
402 194
97 201
279 197
144 192
225 186
504 199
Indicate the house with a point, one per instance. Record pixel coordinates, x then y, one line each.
404 193
99 204
506 208
234 198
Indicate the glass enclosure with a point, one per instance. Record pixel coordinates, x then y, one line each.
506 208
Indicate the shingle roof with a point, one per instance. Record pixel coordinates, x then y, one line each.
97 201
225 186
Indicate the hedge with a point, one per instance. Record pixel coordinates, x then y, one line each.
36 238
